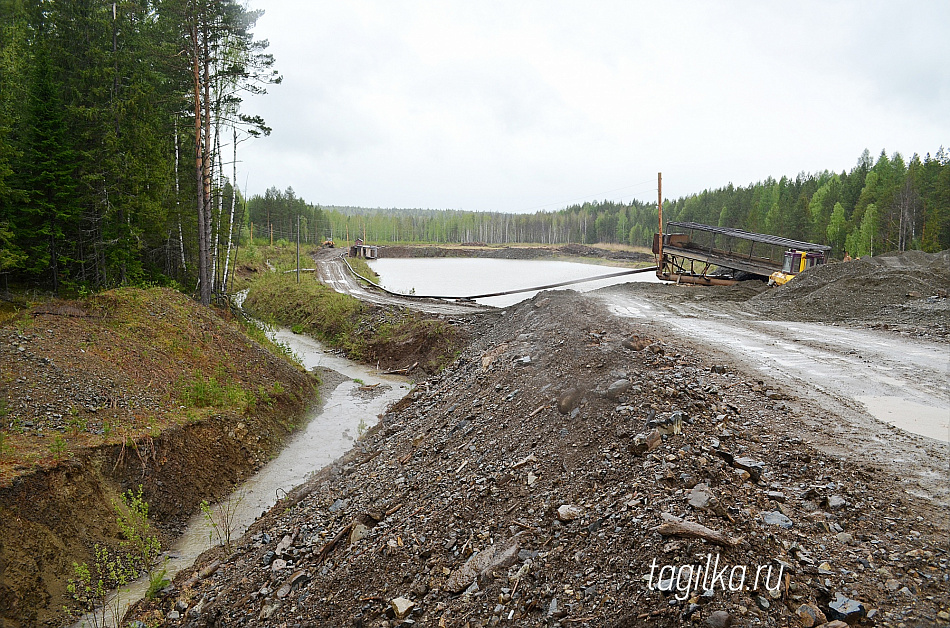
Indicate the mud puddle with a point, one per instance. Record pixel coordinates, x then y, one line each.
350 408
929 421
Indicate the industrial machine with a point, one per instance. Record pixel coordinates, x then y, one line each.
708 255
795 262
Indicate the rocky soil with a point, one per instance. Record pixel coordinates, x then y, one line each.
129 388
570 469
903 291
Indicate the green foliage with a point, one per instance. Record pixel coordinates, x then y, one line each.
316 308
156 582
912 199
91 587
58 447
214 392
341 321
360 267
94 98
837 229
221 519
11 256
139 544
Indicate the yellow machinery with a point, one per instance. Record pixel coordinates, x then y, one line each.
795 262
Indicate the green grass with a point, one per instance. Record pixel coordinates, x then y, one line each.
343 322
211 392
309 306
359 265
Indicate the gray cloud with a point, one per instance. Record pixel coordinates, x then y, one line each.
512 106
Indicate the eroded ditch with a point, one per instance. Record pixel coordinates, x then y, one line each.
351 407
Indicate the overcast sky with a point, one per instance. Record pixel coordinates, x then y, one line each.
521 105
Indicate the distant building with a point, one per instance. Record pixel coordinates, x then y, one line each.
367 251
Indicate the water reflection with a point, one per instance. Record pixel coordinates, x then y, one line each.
467 276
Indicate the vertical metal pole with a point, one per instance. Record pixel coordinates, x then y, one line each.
298 248
659 208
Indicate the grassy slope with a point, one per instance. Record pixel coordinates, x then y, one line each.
368 334
156 357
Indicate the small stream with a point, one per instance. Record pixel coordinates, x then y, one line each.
330 433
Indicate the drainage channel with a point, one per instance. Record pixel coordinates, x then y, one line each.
349 408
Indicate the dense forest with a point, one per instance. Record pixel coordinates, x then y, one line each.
119 123
881 205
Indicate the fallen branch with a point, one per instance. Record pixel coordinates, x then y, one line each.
393 509
342 534
402 371
538 409
674 526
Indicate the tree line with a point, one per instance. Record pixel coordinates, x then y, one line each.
119 123
887 204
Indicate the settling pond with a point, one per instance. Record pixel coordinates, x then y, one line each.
459 277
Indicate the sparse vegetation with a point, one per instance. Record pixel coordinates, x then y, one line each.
221 519
151 360
215 391
58 447
91 588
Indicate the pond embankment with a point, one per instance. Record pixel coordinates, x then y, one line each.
516 252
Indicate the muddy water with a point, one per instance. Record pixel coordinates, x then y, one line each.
348 409
457 277
930 421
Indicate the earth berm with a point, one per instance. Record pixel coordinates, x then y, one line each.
129 388
560 473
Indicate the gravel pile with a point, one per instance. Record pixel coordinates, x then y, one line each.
569 470
898 287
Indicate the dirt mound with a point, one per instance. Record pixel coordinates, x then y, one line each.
862 289
128 388
542 480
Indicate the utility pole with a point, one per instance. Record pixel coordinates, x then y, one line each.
659 210
298 248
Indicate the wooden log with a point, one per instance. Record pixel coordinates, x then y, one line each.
674 526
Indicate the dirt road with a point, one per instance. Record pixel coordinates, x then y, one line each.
868 395
332 271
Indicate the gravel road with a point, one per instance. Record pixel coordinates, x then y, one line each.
332 271
869 395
